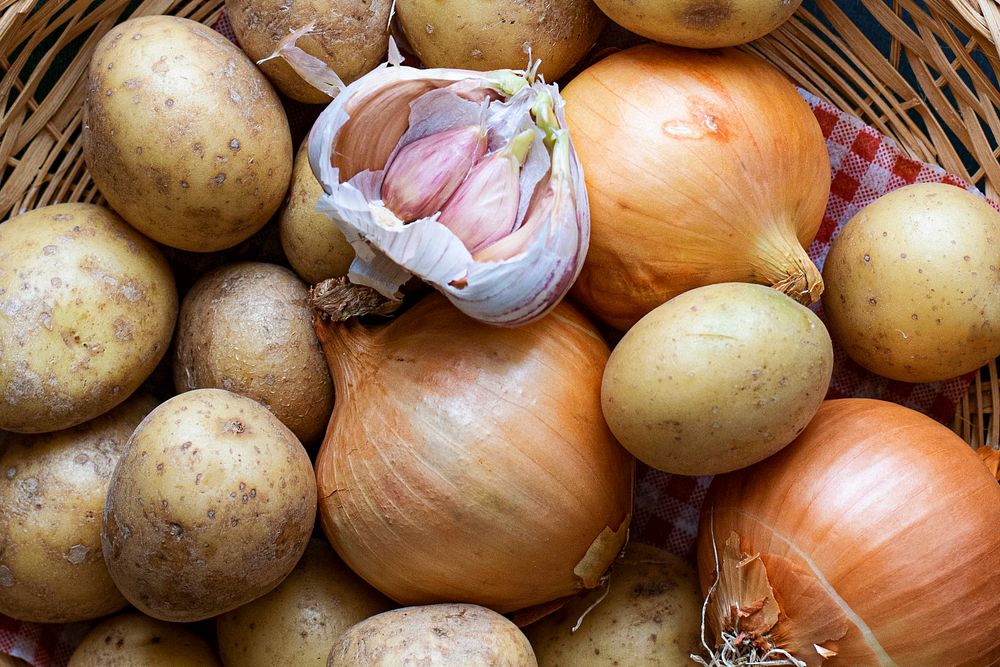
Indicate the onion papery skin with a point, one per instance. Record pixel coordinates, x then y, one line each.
878 520
701 167
471 463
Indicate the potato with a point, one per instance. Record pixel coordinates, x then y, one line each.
484 35
913 284
459 635
134 640
702 24
315 247
247 328
650 615
350 36
183 135
87 308
717 378
11 661
297 622
210 507
52 490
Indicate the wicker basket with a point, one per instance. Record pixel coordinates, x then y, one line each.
928 82
931 88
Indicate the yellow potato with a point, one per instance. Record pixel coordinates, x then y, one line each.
211 506
717 378
315 247
350 36
449 635
247 328
135 640
650 615
913 284
52 490
87 308
700 23
183 134
485 35
297 622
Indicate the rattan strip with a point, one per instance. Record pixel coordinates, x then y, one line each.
951 99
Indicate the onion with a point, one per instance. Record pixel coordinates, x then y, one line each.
701 167
878 530
470 463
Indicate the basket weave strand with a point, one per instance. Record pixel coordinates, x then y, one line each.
931 88
945 112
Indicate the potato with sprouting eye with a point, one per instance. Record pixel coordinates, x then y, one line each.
52 491
183 135
135 640
297 622
211 506
87 309
247 328
349 36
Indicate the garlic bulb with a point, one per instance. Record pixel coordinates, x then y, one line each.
500 227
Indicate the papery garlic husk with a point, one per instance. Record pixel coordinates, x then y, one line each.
368 123
470 462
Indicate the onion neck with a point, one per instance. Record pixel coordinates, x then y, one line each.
346 342
783 262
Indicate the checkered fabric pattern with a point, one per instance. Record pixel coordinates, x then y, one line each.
865 165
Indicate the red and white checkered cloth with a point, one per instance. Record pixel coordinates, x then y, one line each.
865 165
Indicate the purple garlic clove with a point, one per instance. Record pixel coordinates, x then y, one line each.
425 173
484 208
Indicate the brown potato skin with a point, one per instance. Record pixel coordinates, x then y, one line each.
298 622
651 615
247 328
183 135
349 36
87 309
716 379
486 35
136 640
210 507
913 284
458 635
52 491
314 246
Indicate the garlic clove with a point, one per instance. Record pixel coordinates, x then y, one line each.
484 208
425 173
552 199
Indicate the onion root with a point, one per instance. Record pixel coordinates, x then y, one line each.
339 300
